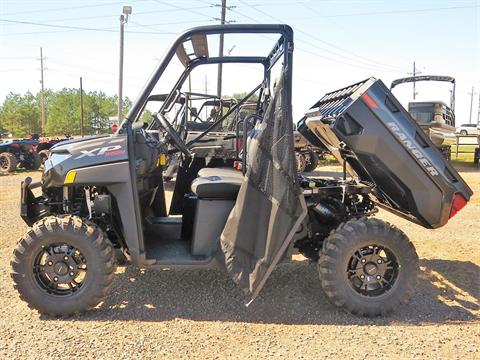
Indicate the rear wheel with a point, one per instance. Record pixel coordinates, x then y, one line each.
368 267
63 265
8 162
311 161
463 132
32 162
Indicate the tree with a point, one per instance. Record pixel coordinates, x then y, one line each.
240 96
64 113
20 114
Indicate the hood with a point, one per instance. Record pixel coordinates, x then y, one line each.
65 143
367 127
79 153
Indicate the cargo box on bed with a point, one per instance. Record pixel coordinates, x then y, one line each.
365 125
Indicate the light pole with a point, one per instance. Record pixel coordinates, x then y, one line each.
472 94
127 10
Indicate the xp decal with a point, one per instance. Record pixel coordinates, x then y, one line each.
113 150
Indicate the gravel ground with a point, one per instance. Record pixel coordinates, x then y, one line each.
200 314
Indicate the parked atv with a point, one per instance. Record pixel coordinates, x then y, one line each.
44 145
22 153
106 193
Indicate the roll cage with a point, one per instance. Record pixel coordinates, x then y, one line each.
441 78
196 39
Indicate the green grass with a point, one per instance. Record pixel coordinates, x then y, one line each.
464 148
463 160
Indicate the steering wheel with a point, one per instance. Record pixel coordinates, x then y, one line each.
178 142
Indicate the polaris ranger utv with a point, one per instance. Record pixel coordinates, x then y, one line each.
106 193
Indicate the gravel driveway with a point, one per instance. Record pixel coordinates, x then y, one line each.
201 314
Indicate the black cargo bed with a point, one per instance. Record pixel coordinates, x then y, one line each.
365 125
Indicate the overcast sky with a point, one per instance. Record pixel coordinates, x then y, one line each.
337 43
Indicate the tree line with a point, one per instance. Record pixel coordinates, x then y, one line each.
20 114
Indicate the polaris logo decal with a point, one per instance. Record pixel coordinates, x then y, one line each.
106 150
412 148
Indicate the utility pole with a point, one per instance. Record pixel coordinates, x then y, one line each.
414 73
81 108
42 94
127 10
478 112
220 50
206 92
472 94
205 83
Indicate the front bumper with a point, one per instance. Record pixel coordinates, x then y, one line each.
31 207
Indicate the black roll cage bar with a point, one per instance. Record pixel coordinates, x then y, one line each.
444 78
283 46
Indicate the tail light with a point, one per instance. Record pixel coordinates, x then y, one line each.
369 101
458 204
239 143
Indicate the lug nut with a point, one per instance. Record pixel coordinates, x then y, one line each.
379 261
65 258
71 267
363 260
71 273
55 279
50 263
362 276
378 277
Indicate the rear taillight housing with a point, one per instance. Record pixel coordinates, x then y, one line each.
458 204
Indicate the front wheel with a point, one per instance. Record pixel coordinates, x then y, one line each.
368 267
8 162
63 266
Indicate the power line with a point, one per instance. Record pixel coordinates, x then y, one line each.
392 12
18 69
355 65
79 28
323 41
191 10
69 8
151 26
350 58
113 16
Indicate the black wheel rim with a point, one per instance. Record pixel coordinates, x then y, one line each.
3 162
60 269
373 270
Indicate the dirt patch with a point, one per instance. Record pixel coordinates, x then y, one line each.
201 314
